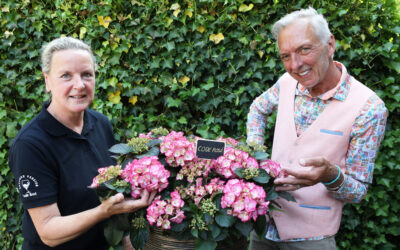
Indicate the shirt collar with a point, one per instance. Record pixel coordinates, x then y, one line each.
56 128
339 92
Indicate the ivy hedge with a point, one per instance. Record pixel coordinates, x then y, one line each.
196 66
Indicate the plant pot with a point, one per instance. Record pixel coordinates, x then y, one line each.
158 241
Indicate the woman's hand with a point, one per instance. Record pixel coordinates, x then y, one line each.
117 204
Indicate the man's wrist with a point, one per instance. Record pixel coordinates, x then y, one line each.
335 183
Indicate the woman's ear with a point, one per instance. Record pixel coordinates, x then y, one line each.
47 83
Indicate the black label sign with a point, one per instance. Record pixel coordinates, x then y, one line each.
208 149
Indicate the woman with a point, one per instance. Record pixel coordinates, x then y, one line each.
56 155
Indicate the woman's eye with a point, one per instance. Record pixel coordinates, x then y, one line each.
65 76
87 75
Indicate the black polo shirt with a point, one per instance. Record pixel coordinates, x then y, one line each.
52 163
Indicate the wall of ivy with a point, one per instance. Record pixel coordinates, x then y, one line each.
196 66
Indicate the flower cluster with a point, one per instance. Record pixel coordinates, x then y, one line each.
146 173
273 168
154 133
163 212
206 197
233 158
177 149
105 174
199 191
245 200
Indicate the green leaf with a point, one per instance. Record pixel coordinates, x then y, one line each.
205 244
171 102
260 226
139 237
121 221
215 230
244 227
225 220
286 195
261 156
263 177
272 195
153 143
120 148
179 227
195 232
111 233
239 172
223 235
155 151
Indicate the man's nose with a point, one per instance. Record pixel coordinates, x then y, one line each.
296 61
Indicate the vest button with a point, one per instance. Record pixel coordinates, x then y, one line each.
295 144
290 161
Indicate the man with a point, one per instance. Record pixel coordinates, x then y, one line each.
328 130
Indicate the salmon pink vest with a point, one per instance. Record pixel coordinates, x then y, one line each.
315 212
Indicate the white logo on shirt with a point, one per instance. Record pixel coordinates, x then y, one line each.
27 182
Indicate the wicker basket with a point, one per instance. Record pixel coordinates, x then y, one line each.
158 241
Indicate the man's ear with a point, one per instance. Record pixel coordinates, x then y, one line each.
331 44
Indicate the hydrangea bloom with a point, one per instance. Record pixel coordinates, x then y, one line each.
229 141
177 149
147 173
105 174
245 200
273 168
226 164
164 212
215 185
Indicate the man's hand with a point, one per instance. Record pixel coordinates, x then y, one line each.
309 172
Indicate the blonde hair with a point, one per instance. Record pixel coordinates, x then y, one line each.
62 43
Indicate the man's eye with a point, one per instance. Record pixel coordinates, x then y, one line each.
87 75
304 50
284 57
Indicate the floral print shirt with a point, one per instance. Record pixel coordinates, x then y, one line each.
365 137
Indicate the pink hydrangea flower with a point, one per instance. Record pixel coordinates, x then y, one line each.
226 164
162 212
244 200
273 168
147 173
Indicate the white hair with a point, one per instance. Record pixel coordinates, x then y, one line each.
318 22
63 43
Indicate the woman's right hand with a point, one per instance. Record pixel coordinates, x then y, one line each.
117 204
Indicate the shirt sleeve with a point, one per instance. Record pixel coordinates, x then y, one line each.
262 107
35 179
366 136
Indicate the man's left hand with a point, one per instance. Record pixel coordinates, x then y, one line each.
309 172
